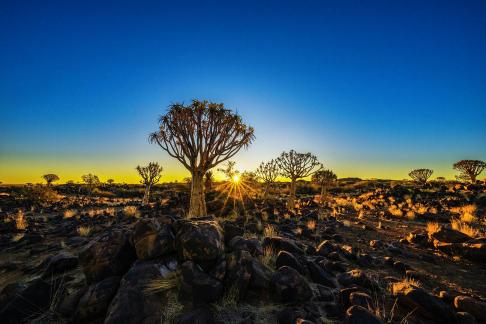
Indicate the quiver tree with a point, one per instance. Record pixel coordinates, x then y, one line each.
208 180
469 169
50 178
296 166
420 175
150 175
267 173
91 181
201 136
324 178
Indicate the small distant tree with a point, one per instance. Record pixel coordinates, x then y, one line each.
441 179
267 173
420 175
229 170
110 182
91 181
208 180
150 175
469 169
50 178
324 178
201 136
296 166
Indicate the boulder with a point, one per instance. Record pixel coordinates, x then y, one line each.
360 315
197 286
200 240
354 277
132 303
320 275
424 303
152 240
289 286
251 245
93 304
325 247
285 258
359 298
200 316
239 271
260 275
475 250
448 235
472 306
282 243
109 255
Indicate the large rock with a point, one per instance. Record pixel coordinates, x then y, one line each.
109 255
448 235
354 277
472 306
200 241
320 275
285 258
239 271
475 250
283 243
152 240
424 303
199 316
289 286
95 301
251 245
133 303
197 286
360 315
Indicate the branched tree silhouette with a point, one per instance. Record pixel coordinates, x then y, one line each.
208 180
201 136
50 178
296 166
469 169
91 181
324 178
150 175
420 175
267 173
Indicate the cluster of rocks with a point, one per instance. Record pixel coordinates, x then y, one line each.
129 271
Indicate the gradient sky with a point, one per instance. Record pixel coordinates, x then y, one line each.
373 88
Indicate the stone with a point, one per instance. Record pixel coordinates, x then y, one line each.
200 240
197 286
132 303
251 245
151 240
109 255
360 315
93 304
285 258
448 235
361 299
60 263
282 243
354 277
472 306
239 271
325 247
199 316
320 275
289 286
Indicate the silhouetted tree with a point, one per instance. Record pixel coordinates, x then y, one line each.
229 170
91 181
50 178
201 136
441 179
420 175
324 178
469 169
110 181
208 180
296 166
267 173
150 175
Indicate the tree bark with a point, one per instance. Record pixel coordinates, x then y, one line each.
146 196
291 200
197 205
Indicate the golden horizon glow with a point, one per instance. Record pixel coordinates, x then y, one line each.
236 178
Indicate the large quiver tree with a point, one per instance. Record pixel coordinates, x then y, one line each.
296 166
50 178
201 136
469 169
420 175
323 178
150 175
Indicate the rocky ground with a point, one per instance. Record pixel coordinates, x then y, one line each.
371 255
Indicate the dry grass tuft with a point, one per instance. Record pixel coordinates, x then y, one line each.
311 225
20 222
269 257
171 281
70 213
433 227
395 211
84 230
461 226
270 231
131 211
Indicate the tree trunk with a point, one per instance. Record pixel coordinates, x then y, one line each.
146 196
198 203
473 177
291 200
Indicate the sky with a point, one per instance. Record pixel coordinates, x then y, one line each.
372 88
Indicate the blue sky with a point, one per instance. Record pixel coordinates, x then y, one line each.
373 88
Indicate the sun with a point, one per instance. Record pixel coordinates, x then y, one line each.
236 178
